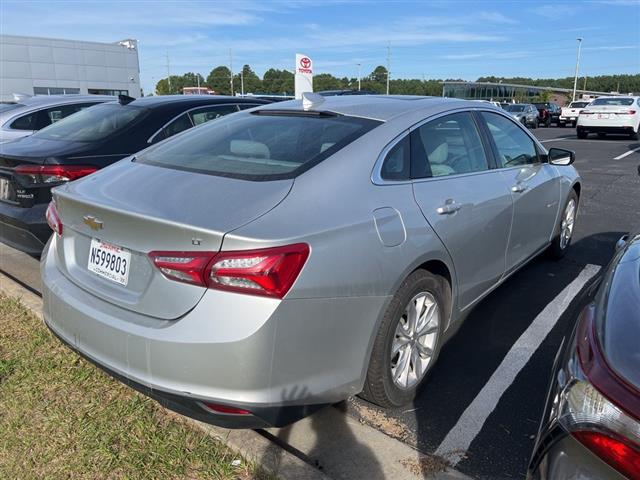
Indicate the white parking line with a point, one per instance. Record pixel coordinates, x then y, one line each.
620 157
459 438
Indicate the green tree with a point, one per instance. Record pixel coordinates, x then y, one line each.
379 74
326 81
251 81
278 82
218 80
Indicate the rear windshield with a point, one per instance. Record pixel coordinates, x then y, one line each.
613 101
514 108
264 146
578 104
92 124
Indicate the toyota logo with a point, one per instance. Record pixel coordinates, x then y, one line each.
305 62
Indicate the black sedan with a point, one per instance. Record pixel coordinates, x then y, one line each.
591 424
83 143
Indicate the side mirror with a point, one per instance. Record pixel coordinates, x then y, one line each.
561 157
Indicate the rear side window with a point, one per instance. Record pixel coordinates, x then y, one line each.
397 163
265 146
44 118
449 145
514 146
180 124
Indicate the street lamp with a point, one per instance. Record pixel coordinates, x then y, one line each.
359 74
575 80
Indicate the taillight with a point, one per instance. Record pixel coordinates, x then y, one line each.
597 407
630 112
269 271
616 453
53 219
37 174
186 267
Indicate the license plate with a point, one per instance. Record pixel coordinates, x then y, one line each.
603 115
109 261
4 189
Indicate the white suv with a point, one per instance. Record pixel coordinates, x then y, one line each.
610 115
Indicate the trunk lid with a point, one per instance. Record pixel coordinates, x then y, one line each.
144 208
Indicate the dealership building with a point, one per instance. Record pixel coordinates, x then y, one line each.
47 66
507 92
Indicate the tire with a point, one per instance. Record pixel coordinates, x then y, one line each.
548 123
559 246
561 124
581 133
380 387
634 135
535 124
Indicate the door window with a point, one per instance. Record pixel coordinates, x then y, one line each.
180 124
513 145
211 112
44 118
449 145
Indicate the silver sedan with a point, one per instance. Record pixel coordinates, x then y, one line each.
253 269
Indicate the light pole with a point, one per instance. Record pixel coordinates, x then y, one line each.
359 74
575 80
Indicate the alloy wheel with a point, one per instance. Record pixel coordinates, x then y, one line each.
568 220
415 340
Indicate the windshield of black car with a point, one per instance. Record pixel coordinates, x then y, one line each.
258 146
515 108
92 124
616 102
578 104
6 106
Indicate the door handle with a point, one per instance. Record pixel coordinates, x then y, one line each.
519 188
448 208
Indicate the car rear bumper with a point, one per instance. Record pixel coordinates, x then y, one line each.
279 360
24 228
622 129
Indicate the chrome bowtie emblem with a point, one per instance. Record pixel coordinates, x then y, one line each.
92 222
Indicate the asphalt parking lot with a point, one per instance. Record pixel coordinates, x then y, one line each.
481 406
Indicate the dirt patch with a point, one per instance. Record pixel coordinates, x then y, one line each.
375 418
426 465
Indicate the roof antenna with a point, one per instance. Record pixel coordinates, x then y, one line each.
125 99
311 100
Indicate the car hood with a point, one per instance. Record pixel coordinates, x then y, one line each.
40 149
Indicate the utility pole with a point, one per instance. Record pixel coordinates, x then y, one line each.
168 73
198 77
575 80
242 82
231 69
388 65
359 74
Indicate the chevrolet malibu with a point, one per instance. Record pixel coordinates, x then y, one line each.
254 269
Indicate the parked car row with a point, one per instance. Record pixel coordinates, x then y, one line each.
83 143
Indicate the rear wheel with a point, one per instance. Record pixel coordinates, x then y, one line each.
408 341
634 135
561 242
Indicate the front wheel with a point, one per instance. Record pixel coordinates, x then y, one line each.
408 340
561 242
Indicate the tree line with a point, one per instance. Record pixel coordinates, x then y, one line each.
281 82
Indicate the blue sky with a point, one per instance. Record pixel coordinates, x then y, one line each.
435 39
